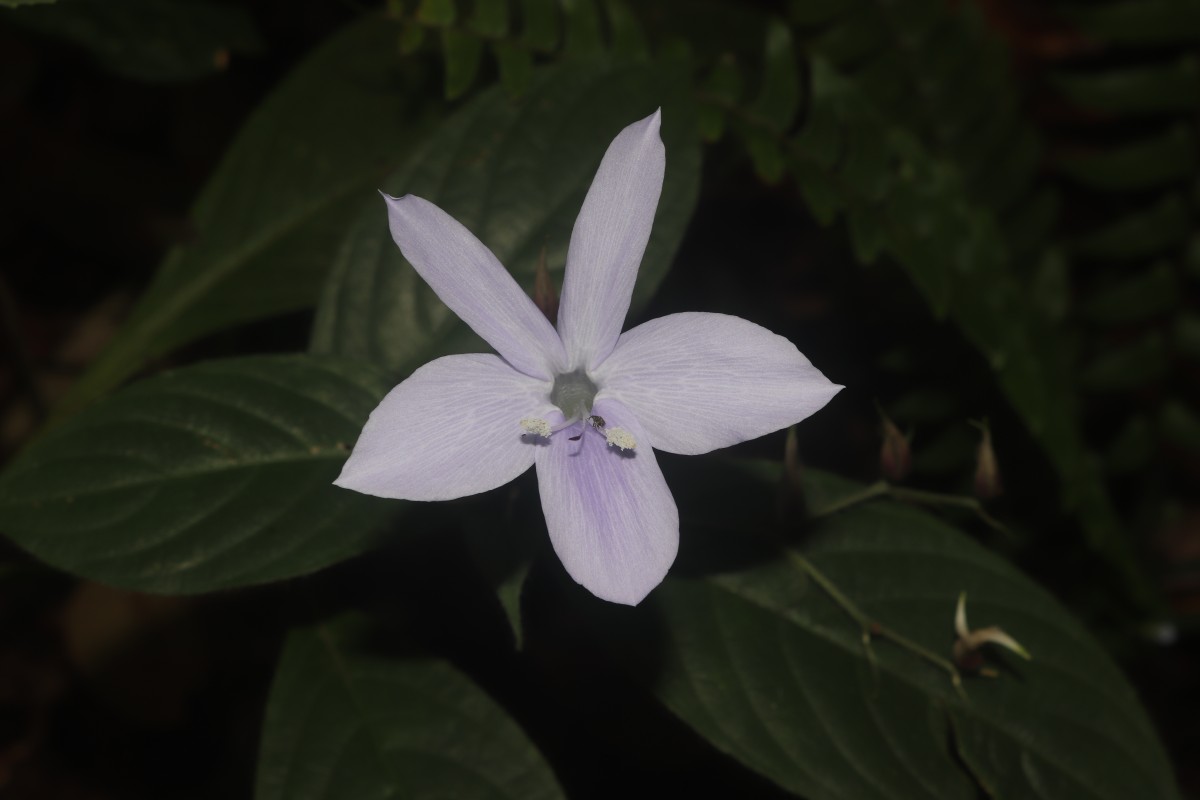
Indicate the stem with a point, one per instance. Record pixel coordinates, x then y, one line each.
878 489
916 496
872 628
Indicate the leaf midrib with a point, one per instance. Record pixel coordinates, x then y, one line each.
333 454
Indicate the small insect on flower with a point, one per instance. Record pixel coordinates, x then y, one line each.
596 421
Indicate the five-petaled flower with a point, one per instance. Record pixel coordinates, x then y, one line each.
585 403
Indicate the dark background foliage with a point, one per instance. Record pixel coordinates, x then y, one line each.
1058 301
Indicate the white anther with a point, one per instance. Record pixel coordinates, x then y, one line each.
536 426
620 438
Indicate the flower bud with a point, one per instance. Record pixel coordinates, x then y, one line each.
895 453
988 485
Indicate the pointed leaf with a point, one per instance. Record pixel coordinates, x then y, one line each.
1141 296
1135 90
1141 233
1169 157
462 54
582 37
209 477
779 96
437 13
489 18
540 24
344 722
628 40
1136 22
765 665
516 67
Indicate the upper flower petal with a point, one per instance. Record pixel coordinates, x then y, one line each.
608 241
451 429
611 517
475 285
699 381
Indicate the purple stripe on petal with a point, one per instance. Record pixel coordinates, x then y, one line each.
452 429
700 381
608 241
611 517
475 285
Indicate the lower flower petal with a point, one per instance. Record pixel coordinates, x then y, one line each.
451 429
611 517
700 381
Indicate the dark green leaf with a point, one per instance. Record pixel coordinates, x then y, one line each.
149 40
412 36
344 723
540 24
628 40
515 173
509 591
725 81
903 199
853 39
270 219
818 12
722 90
820 191
764 664
1052 285
437 13
489 18
583 38
765 153
1137 22
778 98
16 3
1142 233
516 67
1129 366
210 477
1166 158
462 53
1140 297
1136 90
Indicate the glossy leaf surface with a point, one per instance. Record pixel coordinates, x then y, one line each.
209 477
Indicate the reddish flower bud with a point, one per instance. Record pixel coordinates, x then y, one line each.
895 453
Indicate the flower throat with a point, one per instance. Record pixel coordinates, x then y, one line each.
573 393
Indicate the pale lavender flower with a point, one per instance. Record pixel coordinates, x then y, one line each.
586 404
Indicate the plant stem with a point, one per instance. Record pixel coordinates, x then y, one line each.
917 496
872 628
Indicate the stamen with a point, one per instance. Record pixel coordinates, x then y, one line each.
536 427
620 438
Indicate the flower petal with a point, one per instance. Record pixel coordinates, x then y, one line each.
451 429
699 381
608 241
611 517
475 285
